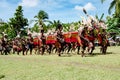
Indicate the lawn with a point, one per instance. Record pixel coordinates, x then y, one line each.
52 67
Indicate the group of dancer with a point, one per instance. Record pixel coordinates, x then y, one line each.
85 38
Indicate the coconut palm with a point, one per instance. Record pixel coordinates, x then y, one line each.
66 27
113 24
3 26
54 24
101 17
41 17
114 4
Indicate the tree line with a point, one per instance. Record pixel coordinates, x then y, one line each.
18 23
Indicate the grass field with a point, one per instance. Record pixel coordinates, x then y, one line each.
52 67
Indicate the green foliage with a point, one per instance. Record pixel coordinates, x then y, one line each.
101 17
35 28
102 1
73 25
54 24
77 25
45 28
66 27
114 4
113 24
5 27
41 17
18 22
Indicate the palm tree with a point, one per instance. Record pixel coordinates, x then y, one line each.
3 26
35 28
101 17
41 17
66 27
116 4
1 21
54 24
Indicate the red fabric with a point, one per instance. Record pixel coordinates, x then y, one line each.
36 41
73 39
74 36
79 41
90 38
99 38
67 37
19 49
82 42
50 39
68 40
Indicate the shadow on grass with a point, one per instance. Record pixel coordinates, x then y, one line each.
96 54
66 55
2 76
87 55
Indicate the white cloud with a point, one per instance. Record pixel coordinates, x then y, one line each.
76 1
29 3
77 7
89 6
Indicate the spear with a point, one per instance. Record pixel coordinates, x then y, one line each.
85 12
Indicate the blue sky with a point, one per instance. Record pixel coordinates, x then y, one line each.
63 10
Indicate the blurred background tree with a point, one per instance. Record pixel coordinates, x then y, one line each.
18 22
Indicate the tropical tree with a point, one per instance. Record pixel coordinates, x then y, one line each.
3 26
113 22
77 25
35 28
113 25
114 4
18 22
54 24
1 21
101 17
66 27
41 17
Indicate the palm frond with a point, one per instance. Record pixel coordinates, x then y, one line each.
35 16
112 5
101 16
47 21
102 1
96 16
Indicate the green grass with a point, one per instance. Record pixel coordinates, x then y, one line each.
52 67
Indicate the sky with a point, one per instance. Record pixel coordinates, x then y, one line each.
64 10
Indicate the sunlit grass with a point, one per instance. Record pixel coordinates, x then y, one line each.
52 67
